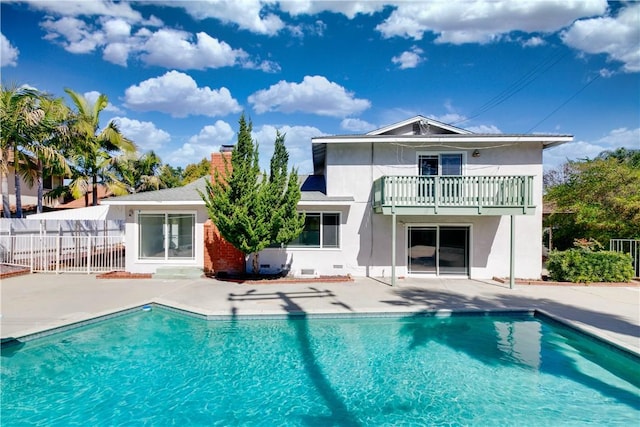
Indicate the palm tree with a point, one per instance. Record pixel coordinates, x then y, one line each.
140 173
92 154
50 139
20 116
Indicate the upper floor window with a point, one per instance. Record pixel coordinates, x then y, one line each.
440 164
321 230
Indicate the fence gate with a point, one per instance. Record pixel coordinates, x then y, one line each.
628 246
65 254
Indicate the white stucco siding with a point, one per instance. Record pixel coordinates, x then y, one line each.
326 261
134 265
366 236
349 171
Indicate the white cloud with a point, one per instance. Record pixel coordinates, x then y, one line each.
621 137
166 47
484 129
246 14
117 53
8 52
144 134
175 49
484 21
617 138
617 37
220 133
88 8
116 29
189 153
534 42
409 59
356 125
73 34
177 94
315 95
460 120
449 118
92 97
297 141
199 146
348 8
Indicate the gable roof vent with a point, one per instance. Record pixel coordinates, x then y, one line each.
416 128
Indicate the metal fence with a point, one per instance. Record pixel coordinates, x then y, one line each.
628 246
65 254
63 246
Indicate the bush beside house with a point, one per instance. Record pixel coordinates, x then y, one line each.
580 265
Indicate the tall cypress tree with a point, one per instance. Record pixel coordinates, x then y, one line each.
253 211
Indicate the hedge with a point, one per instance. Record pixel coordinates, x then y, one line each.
583 266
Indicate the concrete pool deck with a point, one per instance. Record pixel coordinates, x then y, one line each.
38 302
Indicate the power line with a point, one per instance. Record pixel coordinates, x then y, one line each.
525 80
564 103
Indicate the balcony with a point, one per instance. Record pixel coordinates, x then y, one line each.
454 195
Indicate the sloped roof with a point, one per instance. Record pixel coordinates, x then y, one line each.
421 130
419 125
185 195
100 212
312 187
103 193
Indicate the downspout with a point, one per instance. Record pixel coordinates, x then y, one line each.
371 214
512 252
393 233
393 246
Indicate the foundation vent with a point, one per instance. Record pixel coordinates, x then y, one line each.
307 273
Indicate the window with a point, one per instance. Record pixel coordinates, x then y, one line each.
165 236
321 230
440 164
47 182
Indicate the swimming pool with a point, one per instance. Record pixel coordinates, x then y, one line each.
160 367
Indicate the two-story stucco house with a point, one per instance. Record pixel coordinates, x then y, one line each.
416 198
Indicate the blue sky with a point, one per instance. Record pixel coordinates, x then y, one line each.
178 74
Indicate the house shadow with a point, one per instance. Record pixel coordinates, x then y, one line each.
436 299
551 356
298 320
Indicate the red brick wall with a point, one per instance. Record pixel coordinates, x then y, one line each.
219 255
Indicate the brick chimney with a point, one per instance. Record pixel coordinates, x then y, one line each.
218 161
220 257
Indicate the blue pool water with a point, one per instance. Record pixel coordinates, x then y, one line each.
159 367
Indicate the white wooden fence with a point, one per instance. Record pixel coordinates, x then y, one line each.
63 246
628 246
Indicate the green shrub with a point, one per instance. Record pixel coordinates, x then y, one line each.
584 266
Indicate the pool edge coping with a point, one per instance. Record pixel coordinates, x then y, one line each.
593 333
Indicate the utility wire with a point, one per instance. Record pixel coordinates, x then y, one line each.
564 103
518 85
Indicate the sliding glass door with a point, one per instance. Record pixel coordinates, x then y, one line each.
438 250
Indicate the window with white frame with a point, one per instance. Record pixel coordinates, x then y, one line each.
166 236
440 164
321 230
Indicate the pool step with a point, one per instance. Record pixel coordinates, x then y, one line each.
177 273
